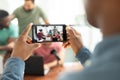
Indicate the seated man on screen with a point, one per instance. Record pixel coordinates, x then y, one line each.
40 35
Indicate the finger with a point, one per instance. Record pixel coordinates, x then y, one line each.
76 32
26 31
65 44
70 32
29 40
35 45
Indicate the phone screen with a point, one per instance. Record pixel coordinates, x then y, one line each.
48 33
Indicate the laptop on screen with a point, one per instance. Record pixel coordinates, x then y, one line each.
34 66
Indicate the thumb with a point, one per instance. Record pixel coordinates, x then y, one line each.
75 31
35 45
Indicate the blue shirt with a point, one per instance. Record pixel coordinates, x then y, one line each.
14 69
105 62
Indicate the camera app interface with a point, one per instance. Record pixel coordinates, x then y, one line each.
48 33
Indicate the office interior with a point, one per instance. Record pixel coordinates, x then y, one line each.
69 12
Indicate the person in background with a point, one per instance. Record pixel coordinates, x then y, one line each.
8 35
45 51
105 63
50 33
55 30
59 36
27 13
15 70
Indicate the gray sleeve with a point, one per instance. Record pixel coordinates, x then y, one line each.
42 14
15 13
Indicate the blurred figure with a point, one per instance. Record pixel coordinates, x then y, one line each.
8 34
58 36
49 33
55 30
28 13
45 51
40 35
54 38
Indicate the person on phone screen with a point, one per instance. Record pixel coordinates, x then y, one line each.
40 34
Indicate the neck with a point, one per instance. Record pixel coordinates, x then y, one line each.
108 32
110 28
111 18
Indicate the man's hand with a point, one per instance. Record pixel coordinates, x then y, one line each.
23 49
74 40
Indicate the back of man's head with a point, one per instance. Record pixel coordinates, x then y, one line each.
104 14
3 14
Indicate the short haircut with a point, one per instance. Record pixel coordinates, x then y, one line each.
33 1
3 14
40 30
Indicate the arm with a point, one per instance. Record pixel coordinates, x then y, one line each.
12 16
75 41
46 21
10 45
43 16
14 68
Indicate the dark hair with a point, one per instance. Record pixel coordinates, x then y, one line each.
40 30
33 1
3 14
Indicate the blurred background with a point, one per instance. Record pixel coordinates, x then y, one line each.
69 12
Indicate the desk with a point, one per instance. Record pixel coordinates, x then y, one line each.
53 73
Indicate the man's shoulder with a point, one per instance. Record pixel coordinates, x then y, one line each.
37 8
18 9
13 26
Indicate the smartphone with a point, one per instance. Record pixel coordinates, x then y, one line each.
49 33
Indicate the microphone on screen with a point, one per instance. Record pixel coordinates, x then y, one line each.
54 52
